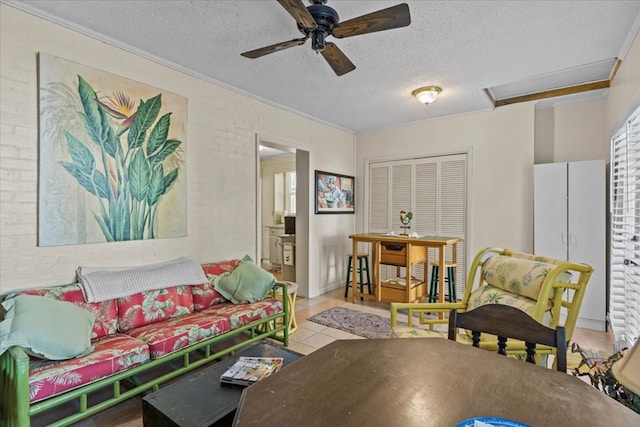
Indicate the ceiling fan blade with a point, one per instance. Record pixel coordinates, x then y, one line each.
385 19
257 53
299 12
337 60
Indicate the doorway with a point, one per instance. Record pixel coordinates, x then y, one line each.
277 200
282 215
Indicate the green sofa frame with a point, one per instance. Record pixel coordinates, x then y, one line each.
16 411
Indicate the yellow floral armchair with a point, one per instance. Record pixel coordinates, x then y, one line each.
549 290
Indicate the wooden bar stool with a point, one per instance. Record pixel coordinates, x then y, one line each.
449 280
363 266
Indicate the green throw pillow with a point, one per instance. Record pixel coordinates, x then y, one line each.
45 327
246 283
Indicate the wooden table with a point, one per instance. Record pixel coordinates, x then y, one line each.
422 382
401 251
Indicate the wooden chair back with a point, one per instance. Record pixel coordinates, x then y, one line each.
508 322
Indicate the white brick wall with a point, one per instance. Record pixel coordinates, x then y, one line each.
220 157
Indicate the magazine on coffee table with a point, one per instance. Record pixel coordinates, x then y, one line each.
248 370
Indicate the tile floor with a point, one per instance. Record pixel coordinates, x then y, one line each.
309 337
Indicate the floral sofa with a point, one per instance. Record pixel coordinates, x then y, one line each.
185 326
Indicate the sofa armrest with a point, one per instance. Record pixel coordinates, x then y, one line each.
14 382
282 289
283 286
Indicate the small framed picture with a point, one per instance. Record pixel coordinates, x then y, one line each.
335 193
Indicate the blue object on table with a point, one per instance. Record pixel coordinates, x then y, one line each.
492 421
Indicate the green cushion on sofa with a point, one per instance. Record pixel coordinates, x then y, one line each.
246 283
45 327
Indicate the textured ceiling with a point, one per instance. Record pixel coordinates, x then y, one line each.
462 46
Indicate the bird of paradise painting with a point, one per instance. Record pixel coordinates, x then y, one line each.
111 157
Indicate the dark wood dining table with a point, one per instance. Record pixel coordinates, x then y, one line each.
422 382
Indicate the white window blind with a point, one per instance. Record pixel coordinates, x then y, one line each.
624 294
290 190
434 189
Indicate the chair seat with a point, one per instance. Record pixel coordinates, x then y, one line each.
413 332
174 334
436 263
111 354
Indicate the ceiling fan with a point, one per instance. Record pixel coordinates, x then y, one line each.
319 21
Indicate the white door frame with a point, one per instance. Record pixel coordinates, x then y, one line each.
303 155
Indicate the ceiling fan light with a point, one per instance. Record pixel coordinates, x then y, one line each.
426 94
317 41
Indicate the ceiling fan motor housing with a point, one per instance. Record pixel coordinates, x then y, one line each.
326 18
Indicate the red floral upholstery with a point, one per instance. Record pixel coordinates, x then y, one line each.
133 330
217 268
205 295
149 307
111 355
174 334
241 314
106 322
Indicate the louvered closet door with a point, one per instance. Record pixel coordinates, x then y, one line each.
380 204
452 209
425 205
401 199
387 199
434 189
379 198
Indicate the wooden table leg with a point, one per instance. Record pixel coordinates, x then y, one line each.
425 277
407 274
377 251
454 259
441 275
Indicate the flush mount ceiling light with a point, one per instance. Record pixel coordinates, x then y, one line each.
426 94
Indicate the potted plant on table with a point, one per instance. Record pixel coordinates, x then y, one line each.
405 220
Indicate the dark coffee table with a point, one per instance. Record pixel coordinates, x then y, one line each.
199 398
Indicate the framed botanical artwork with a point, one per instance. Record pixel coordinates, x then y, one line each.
111 157
335 193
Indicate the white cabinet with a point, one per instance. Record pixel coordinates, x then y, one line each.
265 244
570 223
275 253
288 243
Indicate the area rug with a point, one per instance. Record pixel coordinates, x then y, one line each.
356 322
